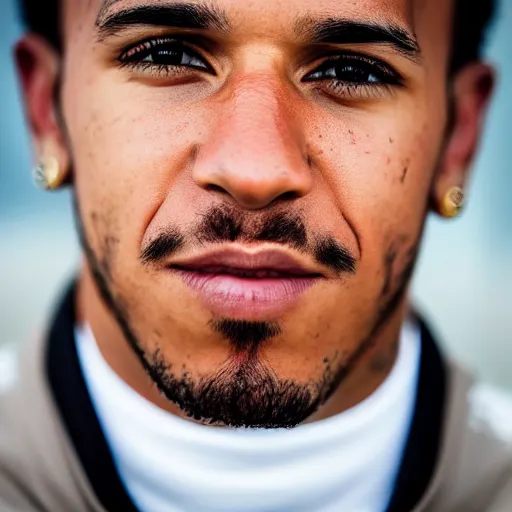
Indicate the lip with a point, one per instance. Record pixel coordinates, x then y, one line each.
247 285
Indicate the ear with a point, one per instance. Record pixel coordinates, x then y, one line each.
471 91
38 65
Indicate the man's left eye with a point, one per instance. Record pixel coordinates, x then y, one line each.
353 70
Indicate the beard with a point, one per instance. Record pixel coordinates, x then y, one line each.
245 391
241 394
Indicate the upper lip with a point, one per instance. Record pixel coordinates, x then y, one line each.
248 260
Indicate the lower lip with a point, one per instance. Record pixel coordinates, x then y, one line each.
247 299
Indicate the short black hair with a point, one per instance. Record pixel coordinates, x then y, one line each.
471 21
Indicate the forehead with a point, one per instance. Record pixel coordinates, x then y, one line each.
399 7
279 16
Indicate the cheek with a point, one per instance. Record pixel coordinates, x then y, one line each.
381 172
128 150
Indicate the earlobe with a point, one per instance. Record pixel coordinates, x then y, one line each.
471 91
38 65
50 172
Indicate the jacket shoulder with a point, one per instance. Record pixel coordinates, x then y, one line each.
8 368
39 470
14 495
491 418
490 410
482 476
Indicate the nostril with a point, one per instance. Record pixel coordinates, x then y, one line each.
216 188
288 196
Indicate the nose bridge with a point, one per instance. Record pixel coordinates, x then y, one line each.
259 115
256 151
260 126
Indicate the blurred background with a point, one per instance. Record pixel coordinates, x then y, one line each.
463 283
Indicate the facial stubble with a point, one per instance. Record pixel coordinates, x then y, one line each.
245 391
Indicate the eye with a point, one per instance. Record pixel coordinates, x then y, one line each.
355 74
347 72
164 54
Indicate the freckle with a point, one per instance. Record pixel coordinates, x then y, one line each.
367 152
320 136
404 174
391 140
388 160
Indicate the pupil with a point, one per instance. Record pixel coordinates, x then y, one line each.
352 74
168 57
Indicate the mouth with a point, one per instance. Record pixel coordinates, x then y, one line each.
245 285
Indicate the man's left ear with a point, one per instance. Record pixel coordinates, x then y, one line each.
471 91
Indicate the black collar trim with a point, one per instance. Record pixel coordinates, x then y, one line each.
423 446
70 392
72 398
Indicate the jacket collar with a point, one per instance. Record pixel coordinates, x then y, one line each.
72 398
69 390
423 447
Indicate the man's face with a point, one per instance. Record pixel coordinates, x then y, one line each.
252 180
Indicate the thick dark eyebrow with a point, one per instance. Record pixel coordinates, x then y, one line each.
176 15
342 31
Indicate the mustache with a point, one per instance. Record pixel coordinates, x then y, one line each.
223 224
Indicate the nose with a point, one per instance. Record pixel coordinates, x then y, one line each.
256 152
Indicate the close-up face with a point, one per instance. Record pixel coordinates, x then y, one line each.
252 181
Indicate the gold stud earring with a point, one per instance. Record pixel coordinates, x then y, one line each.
452 203
48 174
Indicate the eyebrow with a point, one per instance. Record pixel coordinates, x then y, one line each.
343 31
202 17
176 15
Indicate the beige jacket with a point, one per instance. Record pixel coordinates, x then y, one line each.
54 457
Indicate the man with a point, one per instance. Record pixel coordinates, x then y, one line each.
251 182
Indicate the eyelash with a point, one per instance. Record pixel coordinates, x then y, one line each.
134 57
384 77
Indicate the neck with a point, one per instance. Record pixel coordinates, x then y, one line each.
366 374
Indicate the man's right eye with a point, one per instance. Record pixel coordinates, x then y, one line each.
164 55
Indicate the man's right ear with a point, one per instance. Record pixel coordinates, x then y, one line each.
38 65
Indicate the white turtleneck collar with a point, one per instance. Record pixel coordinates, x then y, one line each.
344 463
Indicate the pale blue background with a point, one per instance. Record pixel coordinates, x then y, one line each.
463 283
